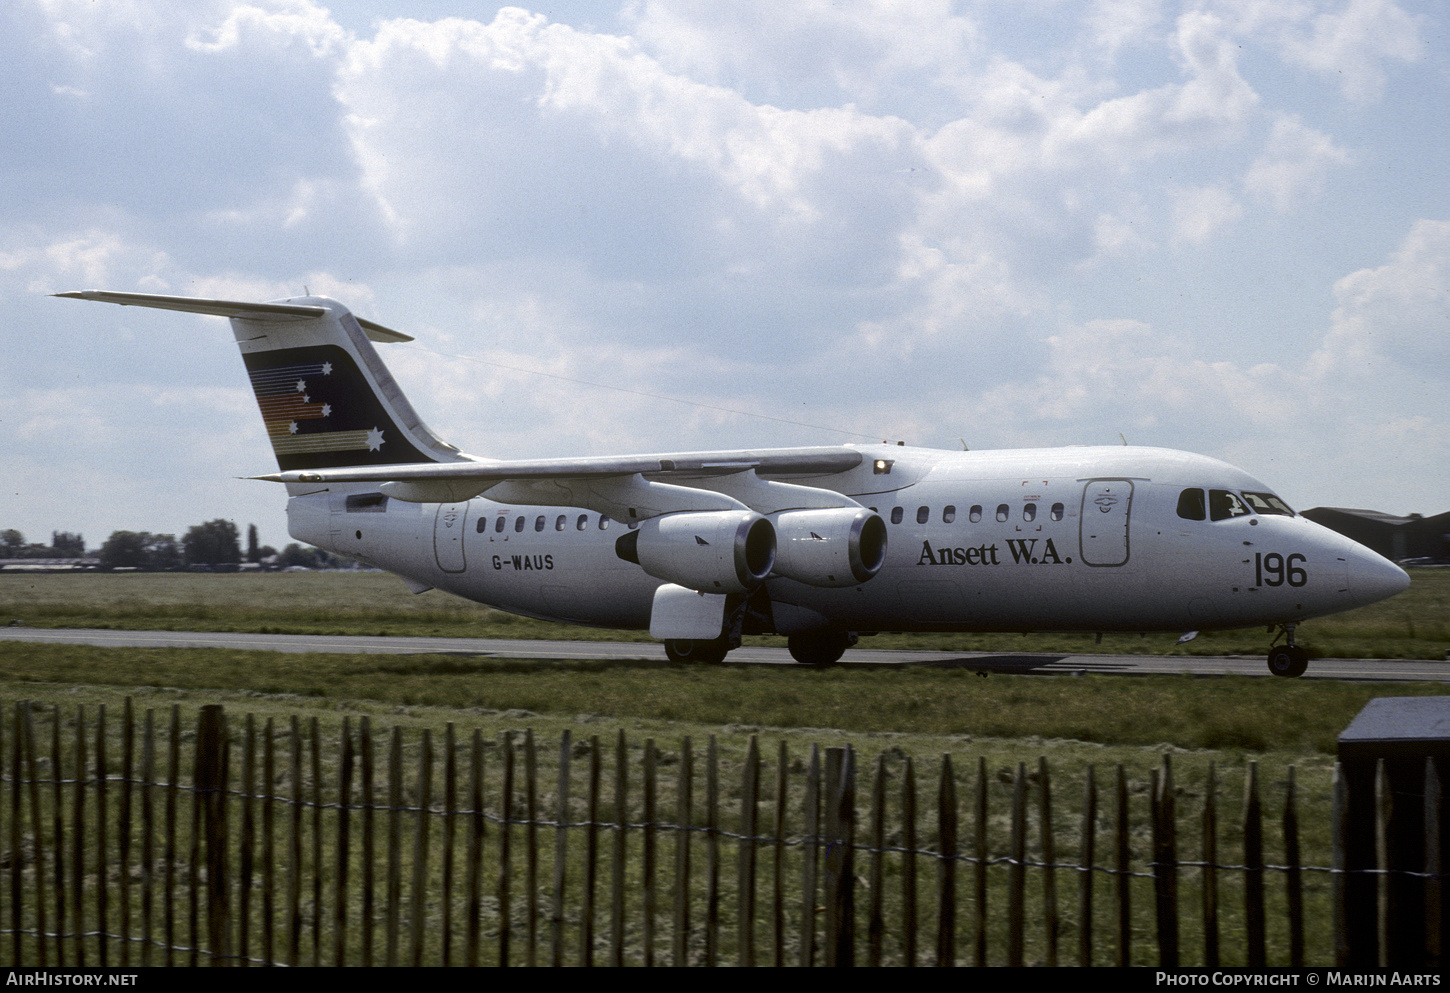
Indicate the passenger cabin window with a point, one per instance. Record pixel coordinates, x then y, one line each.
1268 503
519 524
1056 514
1191 506
482 525
539 523
583 522
895 515
923 514
1002 511
498 528
975 514
1223 504
603 521
948 514
1029 512
559 524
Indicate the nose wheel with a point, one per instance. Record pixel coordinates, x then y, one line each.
1288 660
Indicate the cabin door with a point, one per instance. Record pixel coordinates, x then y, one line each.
1103 523
448 530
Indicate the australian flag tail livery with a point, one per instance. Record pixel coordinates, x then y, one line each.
326 397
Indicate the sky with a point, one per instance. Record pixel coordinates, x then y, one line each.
647 226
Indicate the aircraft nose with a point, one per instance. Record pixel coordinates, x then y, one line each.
1372 577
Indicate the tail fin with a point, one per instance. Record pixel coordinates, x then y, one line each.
326 397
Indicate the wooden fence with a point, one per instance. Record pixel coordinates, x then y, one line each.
146 842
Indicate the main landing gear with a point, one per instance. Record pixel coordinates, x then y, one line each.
684 650
820 647
1288 659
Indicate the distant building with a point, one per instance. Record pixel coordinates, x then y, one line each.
1396 538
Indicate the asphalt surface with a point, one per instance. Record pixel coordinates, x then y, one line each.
1388 670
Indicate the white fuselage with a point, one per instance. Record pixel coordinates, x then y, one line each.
1054 539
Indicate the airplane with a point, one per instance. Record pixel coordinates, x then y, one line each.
819 544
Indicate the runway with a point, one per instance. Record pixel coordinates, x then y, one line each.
1026 663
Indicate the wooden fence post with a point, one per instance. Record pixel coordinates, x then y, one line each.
1086 859
745 889
1165 865
1293 884
1123 894
1050 921
684 819
979 860
344 846
840 865
908 864
1253 828
561 852
1209 871
211 785
876 927
1017 869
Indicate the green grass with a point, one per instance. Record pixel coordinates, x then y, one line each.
1413 625
1239 713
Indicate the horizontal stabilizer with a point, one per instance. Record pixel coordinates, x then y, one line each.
230 308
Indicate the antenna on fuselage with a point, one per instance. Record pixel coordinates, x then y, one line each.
1125 440
964 444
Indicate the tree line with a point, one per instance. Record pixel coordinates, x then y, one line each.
214 545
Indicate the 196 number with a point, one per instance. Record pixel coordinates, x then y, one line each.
1274 569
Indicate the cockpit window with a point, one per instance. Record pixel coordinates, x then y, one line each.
1190 505
1223 504
1267 503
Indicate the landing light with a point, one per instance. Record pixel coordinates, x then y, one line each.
882 467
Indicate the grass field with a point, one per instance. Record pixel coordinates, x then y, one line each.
1413 625
1074 723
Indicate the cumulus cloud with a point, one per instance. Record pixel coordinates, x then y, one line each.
927 221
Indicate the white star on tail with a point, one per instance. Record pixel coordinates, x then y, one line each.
375 440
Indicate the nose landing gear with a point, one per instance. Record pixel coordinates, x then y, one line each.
1287 660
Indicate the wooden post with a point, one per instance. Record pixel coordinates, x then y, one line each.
561 852
684 823
1253 829
173 779
1165 865
979 854
1294 893
1017 870
57 820
840 811
505 833
314 751
531 849
37 839
621 822
418 923
1050 920
123 827
591 855
810 855
368 922
777 905
103 870
908 864
269 861
1434 910
246 855
1086 865
712 854
745 891
211 785
344 843
474 865
1210 870
450 824
876 922
148 834
1123 896
647 853
393 918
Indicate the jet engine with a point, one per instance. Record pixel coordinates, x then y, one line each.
841 546
727 551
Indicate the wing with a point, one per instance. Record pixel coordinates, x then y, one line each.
630 487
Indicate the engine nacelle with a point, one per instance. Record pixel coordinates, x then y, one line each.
725 551
841 546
